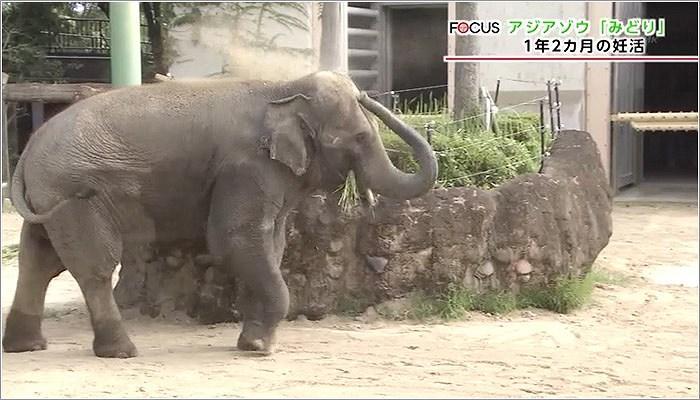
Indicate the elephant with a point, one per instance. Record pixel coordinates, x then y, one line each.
218 160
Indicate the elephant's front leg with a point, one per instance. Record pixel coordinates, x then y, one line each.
264 302
245 231
255 328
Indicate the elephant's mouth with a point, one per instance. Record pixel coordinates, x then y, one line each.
363 190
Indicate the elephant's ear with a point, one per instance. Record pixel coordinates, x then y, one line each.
285 120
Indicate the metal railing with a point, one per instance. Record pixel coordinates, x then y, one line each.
87 36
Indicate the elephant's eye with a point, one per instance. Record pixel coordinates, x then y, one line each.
361 137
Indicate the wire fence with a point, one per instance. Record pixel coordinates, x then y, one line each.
551 99
482 115
518 80
416 89
494 139
517 163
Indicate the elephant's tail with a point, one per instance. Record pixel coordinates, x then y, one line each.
20 202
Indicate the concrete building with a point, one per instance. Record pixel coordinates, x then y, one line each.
398 45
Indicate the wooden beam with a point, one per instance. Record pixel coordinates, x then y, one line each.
52 92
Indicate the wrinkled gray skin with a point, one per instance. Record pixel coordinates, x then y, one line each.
221 160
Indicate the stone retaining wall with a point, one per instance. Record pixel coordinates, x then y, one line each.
528 231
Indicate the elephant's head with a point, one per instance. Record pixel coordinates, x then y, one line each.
322 128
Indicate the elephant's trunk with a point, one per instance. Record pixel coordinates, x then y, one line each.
380 175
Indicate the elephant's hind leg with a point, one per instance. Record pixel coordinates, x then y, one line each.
38 264
90 246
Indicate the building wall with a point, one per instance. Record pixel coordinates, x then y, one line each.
512 89
585 90
209 48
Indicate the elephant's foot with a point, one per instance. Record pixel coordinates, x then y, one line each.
23 333
246 344
111 341
251 339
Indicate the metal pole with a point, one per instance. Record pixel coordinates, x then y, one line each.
556 98
498 90
429 128
394 101
125 43
541 134
551 106
487 107
6 174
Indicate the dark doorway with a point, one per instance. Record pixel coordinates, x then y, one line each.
418 42
672 87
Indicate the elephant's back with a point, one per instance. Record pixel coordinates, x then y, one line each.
146 140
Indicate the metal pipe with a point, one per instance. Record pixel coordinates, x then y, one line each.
498 90
125 49
541 135
394 101
551 107
429 128
6 173
556 98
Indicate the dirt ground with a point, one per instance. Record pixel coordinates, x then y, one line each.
637 338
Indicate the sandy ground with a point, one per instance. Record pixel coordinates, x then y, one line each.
638 338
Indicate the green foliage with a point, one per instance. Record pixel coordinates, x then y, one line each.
23 43
423 104
454 302
26 28
495 302
10 253
29 28
523 128
349 195
416 306
469 155
563 296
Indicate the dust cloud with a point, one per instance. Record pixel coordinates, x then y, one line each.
255 63
249 48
